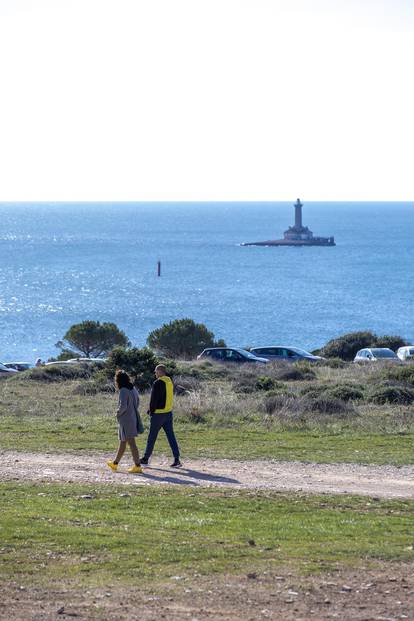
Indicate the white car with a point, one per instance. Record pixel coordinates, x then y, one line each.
5 371
373 354
71 361
406 353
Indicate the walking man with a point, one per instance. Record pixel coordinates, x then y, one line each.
161 416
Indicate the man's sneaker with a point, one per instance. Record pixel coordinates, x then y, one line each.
144 461
135 470
112 466
176 464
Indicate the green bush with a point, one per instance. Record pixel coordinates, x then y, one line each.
203 370
345 392
324 404
391 341
265 383
57 372
391 394
403 374
333 363
273 402
139 363
293 374
314 390
345 347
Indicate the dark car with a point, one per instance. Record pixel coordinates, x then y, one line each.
18 366
230 354
285 354
5 371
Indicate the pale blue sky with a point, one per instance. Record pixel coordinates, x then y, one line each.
206 100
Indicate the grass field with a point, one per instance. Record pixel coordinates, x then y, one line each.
104 536
98 433
214 420
92 535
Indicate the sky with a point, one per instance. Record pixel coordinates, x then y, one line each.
215 100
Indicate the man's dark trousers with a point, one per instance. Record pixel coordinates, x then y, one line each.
164 421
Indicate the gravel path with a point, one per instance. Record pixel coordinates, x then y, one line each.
380 481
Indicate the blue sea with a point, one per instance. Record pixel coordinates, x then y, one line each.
63 263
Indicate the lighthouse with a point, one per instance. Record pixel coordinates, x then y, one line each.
296 235
298 214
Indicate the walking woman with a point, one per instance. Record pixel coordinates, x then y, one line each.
129 423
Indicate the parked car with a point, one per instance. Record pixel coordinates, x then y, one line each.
18 366
230 354
406 353
71 361
372 354
5 371
286 354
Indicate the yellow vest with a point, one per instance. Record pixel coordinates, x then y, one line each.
169 391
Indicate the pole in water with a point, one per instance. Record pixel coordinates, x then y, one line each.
159 268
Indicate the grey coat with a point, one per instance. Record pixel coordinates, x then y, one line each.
127 413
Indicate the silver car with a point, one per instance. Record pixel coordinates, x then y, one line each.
373 354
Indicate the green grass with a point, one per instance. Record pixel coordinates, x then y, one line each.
98 433
37 416
50 532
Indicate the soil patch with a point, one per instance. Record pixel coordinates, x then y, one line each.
384 593
381 481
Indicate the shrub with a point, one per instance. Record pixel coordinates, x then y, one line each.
186 384
345 392
333 363
314 390
265 383
274 402
391 394
391 341
182 338
203 370
294 374
85 388
397 374
324 404
139 363
56 372
346 346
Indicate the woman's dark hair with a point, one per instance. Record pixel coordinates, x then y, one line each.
122 380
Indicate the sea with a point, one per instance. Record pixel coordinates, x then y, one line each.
63 263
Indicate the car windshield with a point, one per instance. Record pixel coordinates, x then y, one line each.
245 353
383 353
301 352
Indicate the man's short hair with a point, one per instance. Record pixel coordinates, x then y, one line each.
162 368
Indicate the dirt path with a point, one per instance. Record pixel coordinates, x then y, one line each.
381 481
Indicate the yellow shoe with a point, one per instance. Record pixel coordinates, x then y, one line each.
135 470
112 466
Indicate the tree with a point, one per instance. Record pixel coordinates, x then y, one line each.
93 339
181 338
